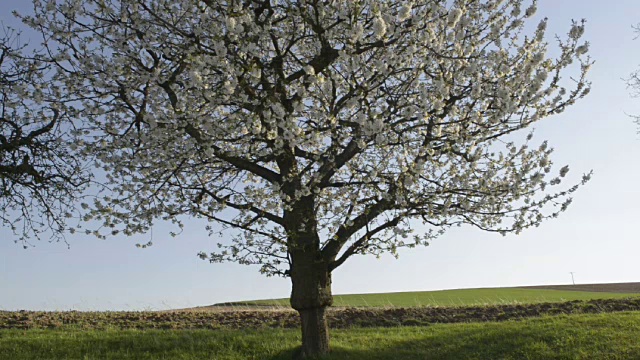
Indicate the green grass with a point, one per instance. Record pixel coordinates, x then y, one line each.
601 336
491 296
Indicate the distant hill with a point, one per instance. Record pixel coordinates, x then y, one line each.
458 297
613 288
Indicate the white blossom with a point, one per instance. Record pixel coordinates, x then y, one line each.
531 10
405 12
454 17
577 30
387 111
582 49
379 27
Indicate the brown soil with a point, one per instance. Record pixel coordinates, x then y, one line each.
338 318
227 308
613 288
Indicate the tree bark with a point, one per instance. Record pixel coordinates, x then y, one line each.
315 333
310 296
310 278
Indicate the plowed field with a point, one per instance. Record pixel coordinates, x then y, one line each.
338 318
611 288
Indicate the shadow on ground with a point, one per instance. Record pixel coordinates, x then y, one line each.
483 343
597 336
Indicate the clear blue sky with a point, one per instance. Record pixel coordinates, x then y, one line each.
598 238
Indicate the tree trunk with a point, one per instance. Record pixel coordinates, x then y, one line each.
315 333
310 278
310 296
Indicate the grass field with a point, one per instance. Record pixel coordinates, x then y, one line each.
597 329
465 297
596 336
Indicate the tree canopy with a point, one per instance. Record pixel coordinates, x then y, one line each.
377 112
40 174
316 129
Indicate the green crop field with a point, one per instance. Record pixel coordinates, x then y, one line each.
466 297
593 336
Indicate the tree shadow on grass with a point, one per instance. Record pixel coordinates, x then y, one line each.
592 337
470 345
543 341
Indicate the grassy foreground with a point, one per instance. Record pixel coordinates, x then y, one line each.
594 336
465 297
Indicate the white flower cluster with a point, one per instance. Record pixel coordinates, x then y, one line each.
335 122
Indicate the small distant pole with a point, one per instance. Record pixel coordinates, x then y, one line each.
572 280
